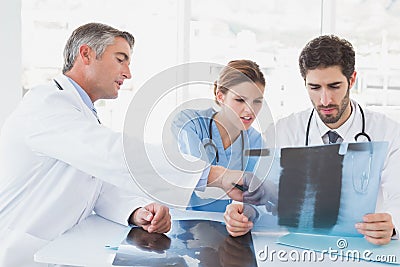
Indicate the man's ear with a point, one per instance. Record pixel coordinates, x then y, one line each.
353 79
85 52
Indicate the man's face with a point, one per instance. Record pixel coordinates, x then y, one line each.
329 91
107 73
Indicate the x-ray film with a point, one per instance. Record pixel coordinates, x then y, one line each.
322 189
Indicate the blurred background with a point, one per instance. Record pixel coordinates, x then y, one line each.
171 32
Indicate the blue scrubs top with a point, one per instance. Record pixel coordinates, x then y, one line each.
191 129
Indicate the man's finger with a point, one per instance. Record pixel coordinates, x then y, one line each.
163 224
160 213
233 223
375 234
165 227
151 207
235 211
377 217
143 216
234 231
376 226
239 229
378 241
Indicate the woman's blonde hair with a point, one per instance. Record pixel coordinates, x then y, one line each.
237 72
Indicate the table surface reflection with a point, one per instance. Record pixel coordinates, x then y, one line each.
189 243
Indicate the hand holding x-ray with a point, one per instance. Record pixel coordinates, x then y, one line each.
260 192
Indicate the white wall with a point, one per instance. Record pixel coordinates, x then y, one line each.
10 53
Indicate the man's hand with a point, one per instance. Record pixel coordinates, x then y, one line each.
376 227
260 192
237 223
154 218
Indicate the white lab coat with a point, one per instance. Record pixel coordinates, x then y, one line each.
57 166
291 131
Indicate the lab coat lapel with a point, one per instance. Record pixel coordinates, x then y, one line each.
69 88
356 126
64 82
315 135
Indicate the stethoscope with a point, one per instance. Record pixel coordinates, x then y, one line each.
211 144
364 179
362 133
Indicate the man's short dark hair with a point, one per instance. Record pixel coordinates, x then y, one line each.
326 51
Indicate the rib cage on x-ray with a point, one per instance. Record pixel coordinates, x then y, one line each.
309 195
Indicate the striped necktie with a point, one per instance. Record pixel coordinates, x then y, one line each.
95 114
333 137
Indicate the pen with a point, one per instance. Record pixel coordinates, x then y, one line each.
240 187
111 247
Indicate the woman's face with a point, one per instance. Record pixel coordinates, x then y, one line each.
241 103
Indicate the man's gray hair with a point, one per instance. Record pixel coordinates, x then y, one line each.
97 36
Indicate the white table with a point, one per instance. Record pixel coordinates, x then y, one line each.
84 245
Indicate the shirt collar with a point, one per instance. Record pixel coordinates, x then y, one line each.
85 97
342 130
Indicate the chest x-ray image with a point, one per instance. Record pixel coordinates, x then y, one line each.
310 187
321 189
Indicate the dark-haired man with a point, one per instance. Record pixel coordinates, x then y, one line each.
327 67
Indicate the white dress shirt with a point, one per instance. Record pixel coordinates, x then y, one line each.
291 131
